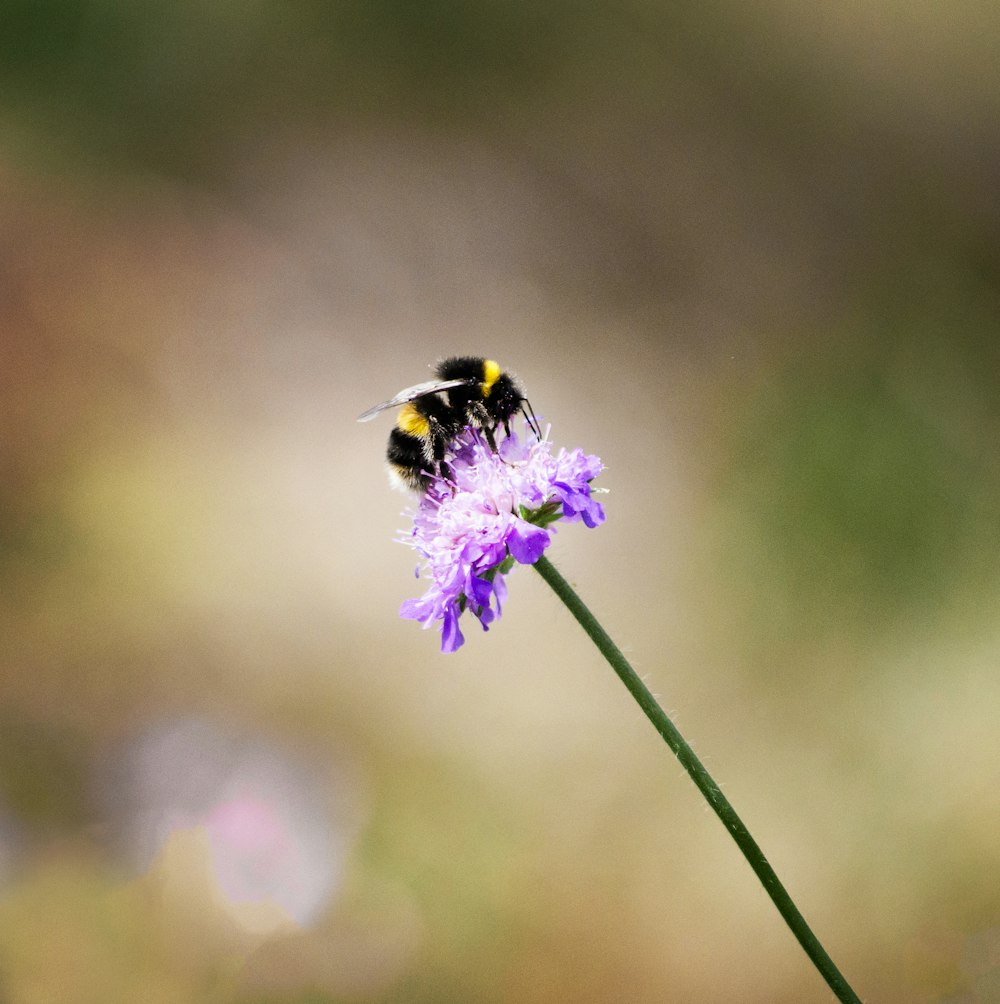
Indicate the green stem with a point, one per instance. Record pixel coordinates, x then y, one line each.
703 781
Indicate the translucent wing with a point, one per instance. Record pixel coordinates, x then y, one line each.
411 394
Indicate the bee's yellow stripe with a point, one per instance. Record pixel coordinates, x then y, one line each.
412 422
491 373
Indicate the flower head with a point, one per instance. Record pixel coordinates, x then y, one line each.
491 511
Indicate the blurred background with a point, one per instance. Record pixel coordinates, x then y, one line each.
749 254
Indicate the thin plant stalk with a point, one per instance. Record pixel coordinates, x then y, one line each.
703 781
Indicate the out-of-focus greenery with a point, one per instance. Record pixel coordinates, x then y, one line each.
749 254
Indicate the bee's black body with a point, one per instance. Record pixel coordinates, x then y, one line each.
412 452
468 391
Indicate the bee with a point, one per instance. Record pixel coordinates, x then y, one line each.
468 391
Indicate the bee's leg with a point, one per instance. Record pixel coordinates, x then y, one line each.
439 446
488 432
490 439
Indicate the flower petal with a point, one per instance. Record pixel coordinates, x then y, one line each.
526 542
451 635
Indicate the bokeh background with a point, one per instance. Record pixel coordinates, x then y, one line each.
749 253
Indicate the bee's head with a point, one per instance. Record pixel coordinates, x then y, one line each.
504 399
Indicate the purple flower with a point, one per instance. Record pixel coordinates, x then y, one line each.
495 510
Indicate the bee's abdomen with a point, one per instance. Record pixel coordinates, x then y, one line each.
407 458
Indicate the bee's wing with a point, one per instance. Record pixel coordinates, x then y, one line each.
411 394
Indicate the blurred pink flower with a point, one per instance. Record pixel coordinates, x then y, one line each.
278 829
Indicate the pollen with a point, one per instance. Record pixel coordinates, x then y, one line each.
412 422
491 373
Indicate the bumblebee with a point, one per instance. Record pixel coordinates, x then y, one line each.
468 391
